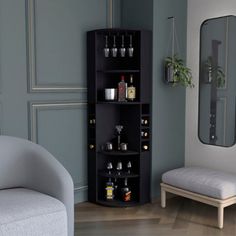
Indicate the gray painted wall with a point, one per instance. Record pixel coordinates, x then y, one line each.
168 103
56 116
137 14
49 56
196 153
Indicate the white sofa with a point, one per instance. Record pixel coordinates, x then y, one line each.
36 192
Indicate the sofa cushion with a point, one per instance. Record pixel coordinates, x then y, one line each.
25 212
212 183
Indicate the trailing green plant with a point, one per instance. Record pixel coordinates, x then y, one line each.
215 73
181 74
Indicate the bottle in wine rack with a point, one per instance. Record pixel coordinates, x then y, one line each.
145 147
92 121
144 121
91 146
144 134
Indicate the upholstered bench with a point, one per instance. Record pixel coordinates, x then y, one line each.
208 186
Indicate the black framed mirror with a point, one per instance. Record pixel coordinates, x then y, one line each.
217 82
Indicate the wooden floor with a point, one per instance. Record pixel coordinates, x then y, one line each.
182 217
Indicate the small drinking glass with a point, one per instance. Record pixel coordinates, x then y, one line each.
106 48
114 48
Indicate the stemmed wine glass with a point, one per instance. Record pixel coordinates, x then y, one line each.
130 48
119 167
129 166
122 49
109 167
106 48
114 48
118 129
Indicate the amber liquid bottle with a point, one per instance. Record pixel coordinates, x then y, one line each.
131 90
126 192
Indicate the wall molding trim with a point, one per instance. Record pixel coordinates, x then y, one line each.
80 187
35 107
33 85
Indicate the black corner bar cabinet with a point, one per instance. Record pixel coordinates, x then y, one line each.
105 72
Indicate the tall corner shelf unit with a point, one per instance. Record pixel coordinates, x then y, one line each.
105 72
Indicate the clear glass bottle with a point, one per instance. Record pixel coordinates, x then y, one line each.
122 90
131 90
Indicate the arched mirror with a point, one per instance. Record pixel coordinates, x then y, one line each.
217 82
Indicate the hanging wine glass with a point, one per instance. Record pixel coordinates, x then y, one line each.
130 49
122 49
106 48
114 48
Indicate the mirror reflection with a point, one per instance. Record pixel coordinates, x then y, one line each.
217 82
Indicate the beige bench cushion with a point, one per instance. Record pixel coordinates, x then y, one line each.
212 183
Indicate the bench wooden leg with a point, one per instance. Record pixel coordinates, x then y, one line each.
221 217
163 198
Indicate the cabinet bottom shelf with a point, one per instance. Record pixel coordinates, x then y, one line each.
117 203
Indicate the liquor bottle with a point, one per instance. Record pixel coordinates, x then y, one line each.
109 190
131 90
125 192
144 121
122 90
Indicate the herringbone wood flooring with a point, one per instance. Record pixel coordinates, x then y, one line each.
182 217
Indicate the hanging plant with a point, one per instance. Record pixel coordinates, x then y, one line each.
177 73
214 73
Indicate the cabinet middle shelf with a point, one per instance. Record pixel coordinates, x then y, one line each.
117 175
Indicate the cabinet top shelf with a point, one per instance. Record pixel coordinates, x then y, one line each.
119 153
118 71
